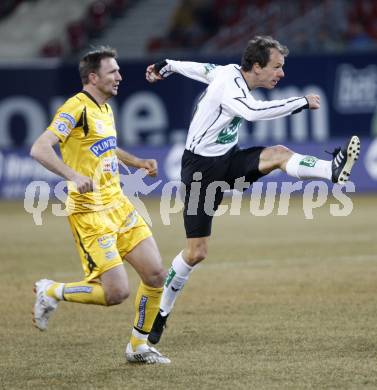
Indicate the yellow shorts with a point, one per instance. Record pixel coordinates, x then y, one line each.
103 238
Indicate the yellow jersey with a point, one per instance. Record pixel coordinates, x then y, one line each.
87 135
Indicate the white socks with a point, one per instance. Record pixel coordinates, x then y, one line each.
178 275
308 167
138 335
59 291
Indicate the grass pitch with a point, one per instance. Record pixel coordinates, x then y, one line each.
282 302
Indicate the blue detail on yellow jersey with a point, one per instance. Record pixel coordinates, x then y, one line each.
104 145
69 118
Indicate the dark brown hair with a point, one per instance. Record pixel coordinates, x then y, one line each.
258 51
91 62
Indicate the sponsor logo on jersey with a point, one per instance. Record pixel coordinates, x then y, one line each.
104 145
100 128
309 161
62 128
230 133
209 67
110 164
106 241
69 118
142 305
110 255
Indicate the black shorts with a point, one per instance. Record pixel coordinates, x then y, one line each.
206 179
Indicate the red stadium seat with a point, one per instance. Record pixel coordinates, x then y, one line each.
97 17
77 36
53 48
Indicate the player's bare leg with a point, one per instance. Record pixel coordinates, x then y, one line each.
111 290
337 170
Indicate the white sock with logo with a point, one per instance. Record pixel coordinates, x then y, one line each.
177 277
308 167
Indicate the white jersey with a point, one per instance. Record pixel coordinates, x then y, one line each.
226 101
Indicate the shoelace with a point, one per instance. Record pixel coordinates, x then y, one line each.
334 152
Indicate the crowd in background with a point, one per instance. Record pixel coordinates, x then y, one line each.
222 26
338 25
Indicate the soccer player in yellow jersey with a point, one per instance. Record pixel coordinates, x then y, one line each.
106 227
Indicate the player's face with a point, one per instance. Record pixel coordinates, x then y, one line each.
108 77
269 76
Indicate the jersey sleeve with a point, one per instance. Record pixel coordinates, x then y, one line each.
66 118
203 72
240 102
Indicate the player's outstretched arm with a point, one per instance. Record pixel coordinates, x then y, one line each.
194 70
43 151
150 165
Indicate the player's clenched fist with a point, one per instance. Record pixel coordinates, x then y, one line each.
152 75
83 183
150 166
158 71
313 101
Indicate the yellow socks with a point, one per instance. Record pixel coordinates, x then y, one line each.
147 305
79 292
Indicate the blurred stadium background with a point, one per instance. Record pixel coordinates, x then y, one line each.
305 303
333 53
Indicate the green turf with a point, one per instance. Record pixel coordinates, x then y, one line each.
282 302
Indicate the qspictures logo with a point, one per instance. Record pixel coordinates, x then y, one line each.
264 198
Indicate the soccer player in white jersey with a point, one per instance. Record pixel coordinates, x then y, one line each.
212 154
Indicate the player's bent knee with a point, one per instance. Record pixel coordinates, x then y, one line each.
275 156
155 279
160 278
279 150
116 296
